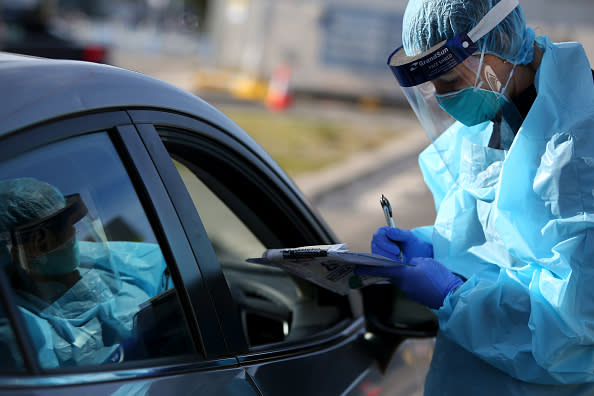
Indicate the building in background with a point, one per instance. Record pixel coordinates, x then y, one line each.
339 47
334 48
323 48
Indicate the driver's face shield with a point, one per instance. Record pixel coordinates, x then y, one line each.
49 247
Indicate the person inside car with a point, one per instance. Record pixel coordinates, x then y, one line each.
77 292
509 263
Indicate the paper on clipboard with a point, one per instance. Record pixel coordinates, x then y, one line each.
329 266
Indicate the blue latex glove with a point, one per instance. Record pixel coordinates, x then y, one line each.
390 241
423 280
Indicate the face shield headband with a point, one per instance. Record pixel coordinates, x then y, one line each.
44 235
45 253
48 247
411 71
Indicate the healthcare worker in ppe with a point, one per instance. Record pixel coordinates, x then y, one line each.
508 265
77 292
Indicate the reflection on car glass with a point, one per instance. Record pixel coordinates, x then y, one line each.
78 296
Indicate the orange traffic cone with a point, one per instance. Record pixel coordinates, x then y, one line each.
278 96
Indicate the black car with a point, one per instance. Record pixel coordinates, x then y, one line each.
24 29
177 196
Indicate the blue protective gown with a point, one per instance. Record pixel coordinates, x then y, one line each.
87 324
519 226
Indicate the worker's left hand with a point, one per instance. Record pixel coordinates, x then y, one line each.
392 241
423 280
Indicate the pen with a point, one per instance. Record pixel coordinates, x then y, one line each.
387 208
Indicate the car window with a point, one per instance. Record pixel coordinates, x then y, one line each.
274 306
86 269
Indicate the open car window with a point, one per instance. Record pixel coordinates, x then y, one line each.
243 218
84 265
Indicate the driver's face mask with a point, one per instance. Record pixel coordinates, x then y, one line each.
48 246
59 261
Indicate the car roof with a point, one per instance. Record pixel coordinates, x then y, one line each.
38 89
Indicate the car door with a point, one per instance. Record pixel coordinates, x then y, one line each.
138 317
293 337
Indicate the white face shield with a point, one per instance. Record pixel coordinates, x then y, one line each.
49 246
450 82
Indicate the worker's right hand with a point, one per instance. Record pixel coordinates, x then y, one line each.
423 279
390 241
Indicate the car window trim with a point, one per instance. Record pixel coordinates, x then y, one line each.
208 263
80 124
196 301
343 332
58 378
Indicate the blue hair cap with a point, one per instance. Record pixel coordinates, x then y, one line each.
27 199
429 22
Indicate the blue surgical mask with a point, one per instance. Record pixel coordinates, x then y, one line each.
471 106
59 261
474 105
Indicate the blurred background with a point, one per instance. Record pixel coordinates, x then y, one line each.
326 48
306 78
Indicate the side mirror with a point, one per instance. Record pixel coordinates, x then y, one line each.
389 311
391 318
